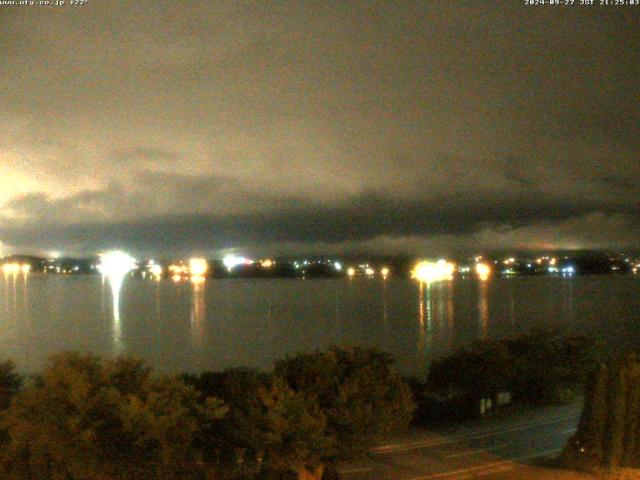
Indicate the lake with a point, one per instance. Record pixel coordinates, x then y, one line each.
219 323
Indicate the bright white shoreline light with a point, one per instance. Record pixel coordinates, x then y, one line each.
231 261
116 264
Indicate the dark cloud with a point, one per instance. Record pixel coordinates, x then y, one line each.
453 222
158 125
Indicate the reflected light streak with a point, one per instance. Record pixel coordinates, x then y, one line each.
197 308
424 320
483 309
420 341
115 282
6 295
450 316
115 266
25 294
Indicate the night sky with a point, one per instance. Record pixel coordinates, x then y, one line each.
328 127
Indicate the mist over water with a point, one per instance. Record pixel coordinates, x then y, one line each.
214 324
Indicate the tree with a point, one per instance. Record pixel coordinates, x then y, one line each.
10 383
614 434
567 361
357 389
483 368
631 454
541 367
91 418
269 427
589 441
609 429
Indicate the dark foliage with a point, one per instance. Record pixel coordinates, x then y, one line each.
538 368
269 430
608 435
357 389
89 418
10 383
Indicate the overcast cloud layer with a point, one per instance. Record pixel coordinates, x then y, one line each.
281 127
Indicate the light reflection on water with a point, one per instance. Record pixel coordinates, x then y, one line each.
213 324
483 308
115 282
436 319
197 309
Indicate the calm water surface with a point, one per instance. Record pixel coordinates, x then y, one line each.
215 324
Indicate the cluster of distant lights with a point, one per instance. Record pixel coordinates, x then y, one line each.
196 269
16 268
430 272
551 264
364 269
118 264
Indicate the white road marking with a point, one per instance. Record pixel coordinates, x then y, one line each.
462 454
474 451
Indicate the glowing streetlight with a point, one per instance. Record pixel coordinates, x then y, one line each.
384 272
198 267
116 264
483 271
231 261
428 272
11 268
177 269
155 270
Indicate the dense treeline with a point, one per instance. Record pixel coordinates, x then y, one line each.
87 417
608 434
538 368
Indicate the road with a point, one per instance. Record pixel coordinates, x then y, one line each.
481 449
